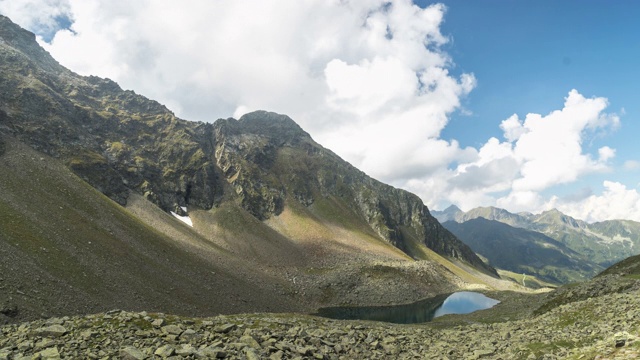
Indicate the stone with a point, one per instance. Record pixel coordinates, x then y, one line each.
50 353
211 352
278 355
225 328
251 354
158 322
55 321
87 334
25 345
250 341
304 350
186 350
620 338
52 330
132 353
165 351
172 329
477 354
189 335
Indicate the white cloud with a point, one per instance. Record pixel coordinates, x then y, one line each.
551 149
513 128
540 152
631 165
368 79
615 202
605 153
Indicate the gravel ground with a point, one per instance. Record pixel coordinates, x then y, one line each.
601 327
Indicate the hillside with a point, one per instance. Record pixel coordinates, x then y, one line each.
68 249
604 243
275 222
523 251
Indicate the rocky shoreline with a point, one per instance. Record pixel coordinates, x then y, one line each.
602 327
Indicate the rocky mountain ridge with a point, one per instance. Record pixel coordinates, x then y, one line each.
119 142
604 243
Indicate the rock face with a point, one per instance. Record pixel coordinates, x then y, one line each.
121 142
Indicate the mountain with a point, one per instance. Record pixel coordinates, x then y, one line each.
274 221
523 251
449 214
66 248
604 243
490 213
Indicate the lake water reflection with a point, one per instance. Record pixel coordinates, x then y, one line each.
463 302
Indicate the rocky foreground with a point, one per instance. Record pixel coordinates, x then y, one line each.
603 327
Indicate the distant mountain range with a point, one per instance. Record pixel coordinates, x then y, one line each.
599 245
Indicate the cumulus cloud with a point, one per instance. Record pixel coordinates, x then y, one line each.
615 202
369 79
539 152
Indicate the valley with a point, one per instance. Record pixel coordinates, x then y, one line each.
573 249
127 232
92 175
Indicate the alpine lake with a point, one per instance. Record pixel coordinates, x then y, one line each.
462 302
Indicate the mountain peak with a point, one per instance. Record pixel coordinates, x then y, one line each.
12 33
449 214
553 211
272 124
452 209
24 41
555 216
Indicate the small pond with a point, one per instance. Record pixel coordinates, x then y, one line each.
463 302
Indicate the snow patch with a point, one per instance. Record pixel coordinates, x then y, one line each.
617 239
184 219
620 238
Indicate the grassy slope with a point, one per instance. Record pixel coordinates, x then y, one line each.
68 249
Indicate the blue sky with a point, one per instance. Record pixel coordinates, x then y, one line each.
527 55
419 95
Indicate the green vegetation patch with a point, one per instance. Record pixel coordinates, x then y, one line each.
86 158
540 348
